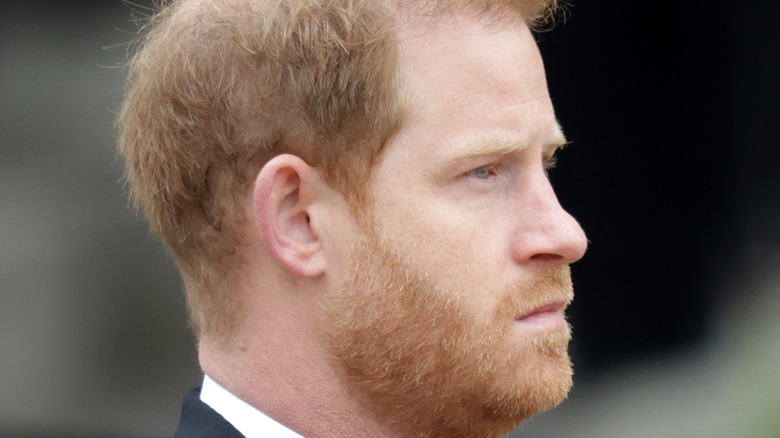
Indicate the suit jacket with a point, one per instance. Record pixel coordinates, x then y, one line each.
198 420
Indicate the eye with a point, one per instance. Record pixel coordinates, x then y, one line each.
483 172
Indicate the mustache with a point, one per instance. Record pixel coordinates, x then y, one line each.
547 286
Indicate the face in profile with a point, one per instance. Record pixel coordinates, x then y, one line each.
449 321
419 352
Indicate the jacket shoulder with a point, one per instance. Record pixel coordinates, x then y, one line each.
198 420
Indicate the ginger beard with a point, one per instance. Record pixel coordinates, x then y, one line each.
424 361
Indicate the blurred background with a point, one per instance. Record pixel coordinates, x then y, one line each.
673 108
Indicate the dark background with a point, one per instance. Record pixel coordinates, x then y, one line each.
673 110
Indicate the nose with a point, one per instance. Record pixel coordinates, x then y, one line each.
547 233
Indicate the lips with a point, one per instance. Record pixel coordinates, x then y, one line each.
547 314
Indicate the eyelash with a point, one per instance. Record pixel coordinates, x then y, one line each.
550 162
489 168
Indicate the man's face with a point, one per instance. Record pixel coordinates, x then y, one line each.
449 320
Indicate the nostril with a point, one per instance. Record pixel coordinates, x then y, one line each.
547 257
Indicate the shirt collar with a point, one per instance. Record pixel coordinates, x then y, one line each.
245 418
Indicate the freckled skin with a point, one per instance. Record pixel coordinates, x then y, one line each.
426 322
406 322
468 232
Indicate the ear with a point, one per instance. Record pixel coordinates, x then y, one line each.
285 190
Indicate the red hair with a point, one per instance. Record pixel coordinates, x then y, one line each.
218 87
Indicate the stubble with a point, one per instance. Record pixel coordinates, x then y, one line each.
426 363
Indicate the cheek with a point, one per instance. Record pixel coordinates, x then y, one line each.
338 237
466 253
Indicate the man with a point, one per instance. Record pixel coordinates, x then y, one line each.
355 194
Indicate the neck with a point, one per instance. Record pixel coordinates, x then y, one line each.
283 368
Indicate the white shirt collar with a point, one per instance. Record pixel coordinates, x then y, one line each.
245 418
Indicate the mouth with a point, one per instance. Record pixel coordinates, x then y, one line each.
548 315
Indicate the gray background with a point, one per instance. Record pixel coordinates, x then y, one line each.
93 332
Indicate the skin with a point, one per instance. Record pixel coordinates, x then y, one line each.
461 189
474 108
462 203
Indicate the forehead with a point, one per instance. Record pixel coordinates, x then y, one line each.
469 78
466 47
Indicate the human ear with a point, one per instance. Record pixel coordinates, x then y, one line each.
285 190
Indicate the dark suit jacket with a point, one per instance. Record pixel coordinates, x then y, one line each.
198 420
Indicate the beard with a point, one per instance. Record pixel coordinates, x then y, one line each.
425 362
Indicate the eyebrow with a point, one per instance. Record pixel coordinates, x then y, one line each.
505 145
